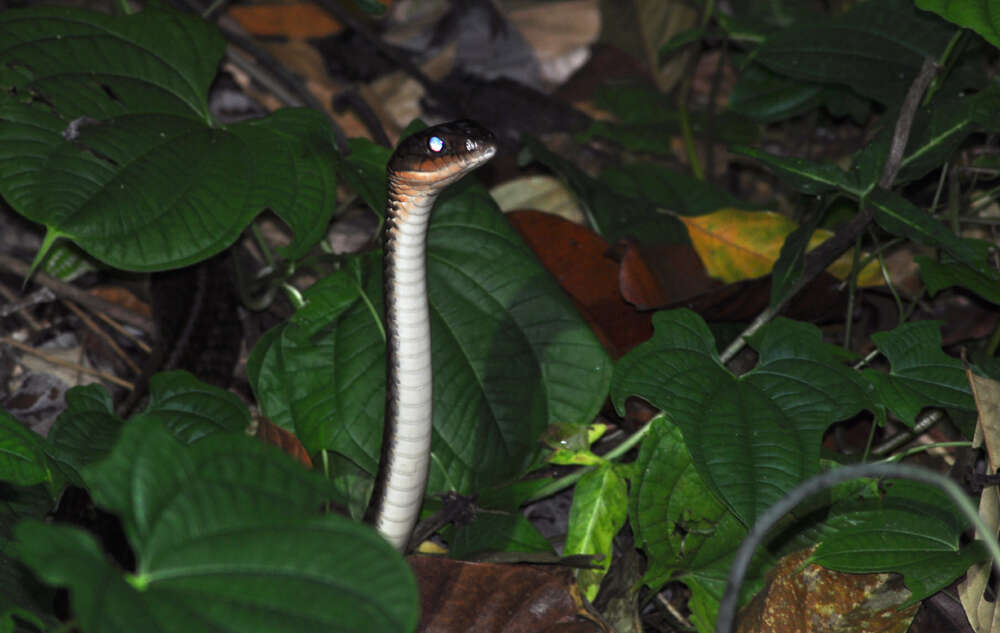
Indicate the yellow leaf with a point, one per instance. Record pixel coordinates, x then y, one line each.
735 244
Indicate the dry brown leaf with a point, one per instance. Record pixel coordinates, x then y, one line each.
494 598
560 34
982 612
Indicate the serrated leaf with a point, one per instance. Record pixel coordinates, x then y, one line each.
511 355
909 528
735 244
22 454
599 510
107 140
752 438
876 48
922 374
982 16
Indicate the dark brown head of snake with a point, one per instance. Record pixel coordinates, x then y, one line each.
432 159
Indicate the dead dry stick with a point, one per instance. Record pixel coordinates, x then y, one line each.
114 325
69 291
104 336
64 363
826 253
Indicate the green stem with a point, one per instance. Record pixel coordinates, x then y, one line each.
565 482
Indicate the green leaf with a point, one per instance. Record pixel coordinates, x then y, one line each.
599 510
20 592
752 438
609 212
939 275
665 188
494 531
192 409
899 216
322 573
766 97
877 48
86 431
922 375
107 140
982 16
905 527
511 355
671 510
226 536
22 454
805 175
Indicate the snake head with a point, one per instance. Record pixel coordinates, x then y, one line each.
435 157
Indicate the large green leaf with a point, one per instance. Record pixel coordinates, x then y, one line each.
938 275
752 438
227 536
511 354
982 16
876 48
899 526
87 430
107 140
922 374
22 454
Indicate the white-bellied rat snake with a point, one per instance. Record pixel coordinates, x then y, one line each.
420 168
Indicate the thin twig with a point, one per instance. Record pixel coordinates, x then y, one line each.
65 363
19 305
104 336
826 253
138 342
64 290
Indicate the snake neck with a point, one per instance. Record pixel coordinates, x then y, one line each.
406 439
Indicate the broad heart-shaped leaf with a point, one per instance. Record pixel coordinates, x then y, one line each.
320 573
675 517
105 138
599 510
876 48
22 454
511 355
922 375
227 536
87 430
982 16
902 526
752 438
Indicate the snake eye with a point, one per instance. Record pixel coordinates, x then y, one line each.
436 144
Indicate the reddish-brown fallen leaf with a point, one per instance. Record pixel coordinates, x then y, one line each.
124 298
499 598
656 276
288 443
578 259
671 276
813 599
301 20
